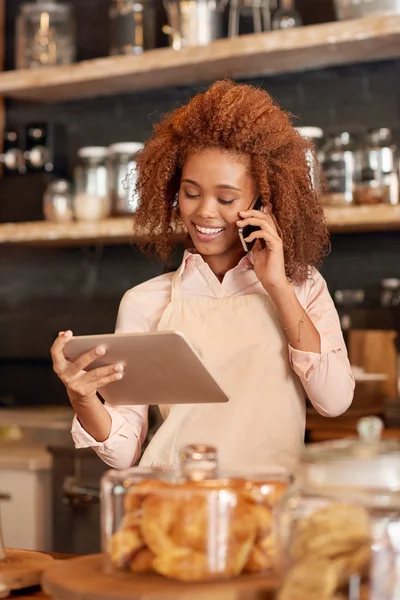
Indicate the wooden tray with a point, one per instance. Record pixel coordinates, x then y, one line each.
84 579
22 569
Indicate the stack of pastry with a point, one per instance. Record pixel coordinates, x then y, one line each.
196 531
330 557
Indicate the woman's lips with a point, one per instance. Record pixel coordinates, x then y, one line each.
207 234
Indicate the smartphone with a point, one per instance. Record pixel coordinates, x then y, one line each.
244 232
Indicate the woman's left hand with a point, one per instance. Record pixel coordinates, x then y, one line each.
269 262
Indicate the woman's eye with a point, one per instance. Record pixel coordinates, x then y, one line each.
226 201
190 195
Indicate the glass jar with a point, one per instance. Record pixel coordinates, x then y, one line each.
390 292
133 26
45 34
369 190
122 177
339 525
190 523
340 169
57 201
286 17
380 159
91 199
314 135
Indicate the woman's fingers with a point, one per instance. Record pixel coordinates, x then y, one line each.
258 219
89 382
261 234
60 363
83 361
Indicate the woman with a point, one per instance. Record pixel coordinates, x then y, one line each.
263 321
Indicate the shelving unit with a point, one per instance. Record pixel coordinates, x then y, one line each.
304 48
123 230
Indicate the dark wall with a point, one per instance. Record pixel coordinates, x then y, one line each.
45 290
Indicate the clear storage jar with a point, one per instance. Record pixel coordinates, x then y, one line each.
313 156
341 168
122 177
190 523
338 528
45 34
91 198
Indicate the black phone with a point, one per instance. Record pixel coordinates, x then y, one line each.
244 232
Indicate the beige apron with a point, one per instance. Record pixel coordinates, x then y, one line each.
244 347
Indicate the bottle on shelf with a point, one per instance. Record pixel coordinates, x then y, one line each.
286 16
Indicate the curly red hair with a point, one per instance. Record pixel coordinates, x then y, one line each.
241 119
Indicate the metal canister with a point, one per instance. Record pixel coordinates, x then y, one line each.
133 26
193 22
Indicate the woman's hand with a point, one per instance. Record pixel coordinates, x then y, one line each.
269 262
82 385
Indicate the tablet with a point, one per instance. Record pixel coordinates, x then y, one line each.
159 368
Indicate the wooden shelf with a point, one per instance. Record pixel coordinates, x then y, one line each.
114 231
122 230
380 217
304 48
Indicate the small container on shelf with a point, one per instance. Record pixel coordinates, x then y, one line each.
133 26
191 522
286 16
314 135
390 292
57 201
338 526
340 168
45 34
369 190
379 159
91 200
122 177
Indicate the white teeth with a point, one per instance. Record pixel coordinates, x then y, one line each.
209 229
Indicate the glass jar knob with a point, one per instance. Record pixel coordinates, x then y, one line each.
198 462
370 429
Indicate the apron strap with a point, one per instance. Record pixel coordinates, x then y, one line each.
176 287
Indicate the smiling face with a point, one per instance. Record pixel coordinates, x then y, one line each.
215 186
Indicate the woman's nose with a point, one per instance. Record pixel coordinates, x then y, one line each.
207 208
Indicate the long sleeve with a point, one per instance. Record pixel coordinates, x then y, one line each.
128 423
326 377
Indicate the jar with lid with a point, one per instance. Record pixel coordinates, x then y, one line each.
192 521
340 169
315 136
133 26
91 199
369 189
45 34
57 201
122 177
379 158
339 524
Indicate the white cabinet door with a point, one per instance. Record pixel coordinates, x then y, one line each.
26 514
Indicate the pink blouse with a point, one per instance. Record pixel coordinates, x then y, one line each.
326 377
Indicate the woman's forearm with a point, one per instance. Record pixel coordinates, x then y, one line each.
301 335
94 418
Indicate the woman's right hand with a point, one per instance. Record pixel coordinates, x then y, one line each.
82 385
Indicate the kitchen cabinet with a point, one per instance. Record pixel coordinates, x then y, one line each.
25 492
